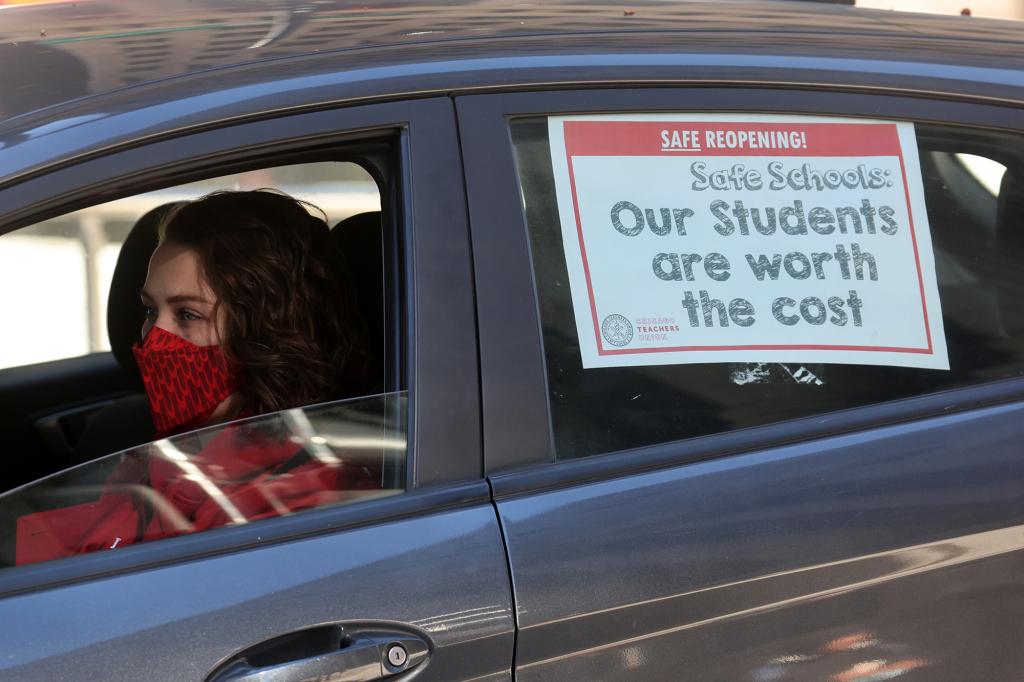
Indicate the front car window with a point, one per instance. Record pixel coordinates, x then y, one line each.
65 265
116 462
811 296
228 475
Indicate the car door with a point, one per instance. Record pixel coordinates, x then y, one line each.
411 579
43 403
747 518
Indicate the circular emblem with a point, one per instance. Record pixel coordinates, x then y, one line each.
617 330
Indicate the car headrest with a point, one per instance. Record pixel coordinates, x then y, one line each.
1010 247
125 312
360 240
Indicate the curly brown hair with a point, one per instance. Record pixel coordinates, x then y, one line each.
290 324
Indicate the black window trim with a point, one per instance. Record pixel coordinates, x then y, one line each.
444 448
518 438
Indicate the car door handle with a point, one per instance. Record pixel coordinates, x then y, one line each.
329 653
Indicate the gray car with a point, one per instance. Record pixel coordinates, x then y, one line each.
695 330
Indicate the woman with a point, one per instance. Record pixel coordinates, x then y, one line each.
245 314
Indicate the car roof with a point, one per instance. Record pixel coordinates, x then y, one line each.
110 69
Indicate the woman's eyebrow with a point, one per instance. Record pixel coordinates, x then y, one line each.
188 298
180 298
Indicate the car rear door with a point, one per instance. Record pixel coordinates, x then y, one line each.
325 593
749 520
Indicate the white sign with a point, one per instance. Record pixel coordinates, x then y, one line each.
713 238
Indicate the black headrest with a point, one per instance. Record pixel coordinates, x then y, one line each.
1010 249
359 229
125 313
360 240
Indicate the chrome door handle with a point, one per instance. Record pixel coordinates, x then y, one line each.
359 656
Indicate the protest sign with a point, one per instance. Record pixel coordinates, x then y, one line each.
727 238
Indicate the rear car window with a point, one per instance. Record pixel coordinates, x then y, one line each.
875 271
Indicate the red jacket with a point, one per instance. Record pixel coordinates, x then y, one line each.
153 495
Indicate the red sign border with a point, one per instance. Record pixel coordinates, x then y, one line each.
602 351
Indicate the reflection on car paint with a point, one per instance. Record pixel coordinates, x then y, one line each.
873 661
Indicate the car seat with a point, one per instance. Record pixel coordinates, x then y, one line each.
127 421
360 240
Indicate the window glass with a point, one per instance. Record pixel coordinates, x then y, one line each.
64 266
228 475
307 318
972 187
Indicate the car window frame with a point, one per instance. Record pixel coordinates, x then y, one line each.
444 464
518 435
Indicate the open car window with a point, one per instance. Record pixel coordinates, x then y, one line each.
94 468
231 474
69 382
65 265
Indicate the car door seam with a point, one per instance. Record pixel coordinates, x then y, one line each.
511 581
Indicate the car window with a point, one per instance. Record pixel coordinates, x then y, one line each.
227 475
64 265
969 184
112 445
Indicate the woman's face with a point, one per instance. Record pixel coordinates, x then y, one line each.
178 298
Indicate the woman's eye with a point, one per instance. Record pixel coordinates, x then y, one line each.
150 312
189 316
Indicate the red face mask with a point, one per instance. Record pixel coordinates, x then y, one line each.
184 382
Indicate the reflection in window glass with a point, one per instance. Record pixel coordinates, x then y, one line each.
986 171
227 475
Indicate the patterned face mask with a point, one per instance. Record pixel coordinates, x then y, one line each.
184 382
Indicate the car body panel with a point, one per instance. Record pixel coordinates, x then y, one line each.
443 574
865 544
125 42
477 46
794 563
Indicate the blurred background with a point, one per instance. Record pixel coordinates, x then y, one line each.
55 276
998 9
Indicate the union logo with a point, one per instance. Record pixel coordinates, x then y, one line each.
617 330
